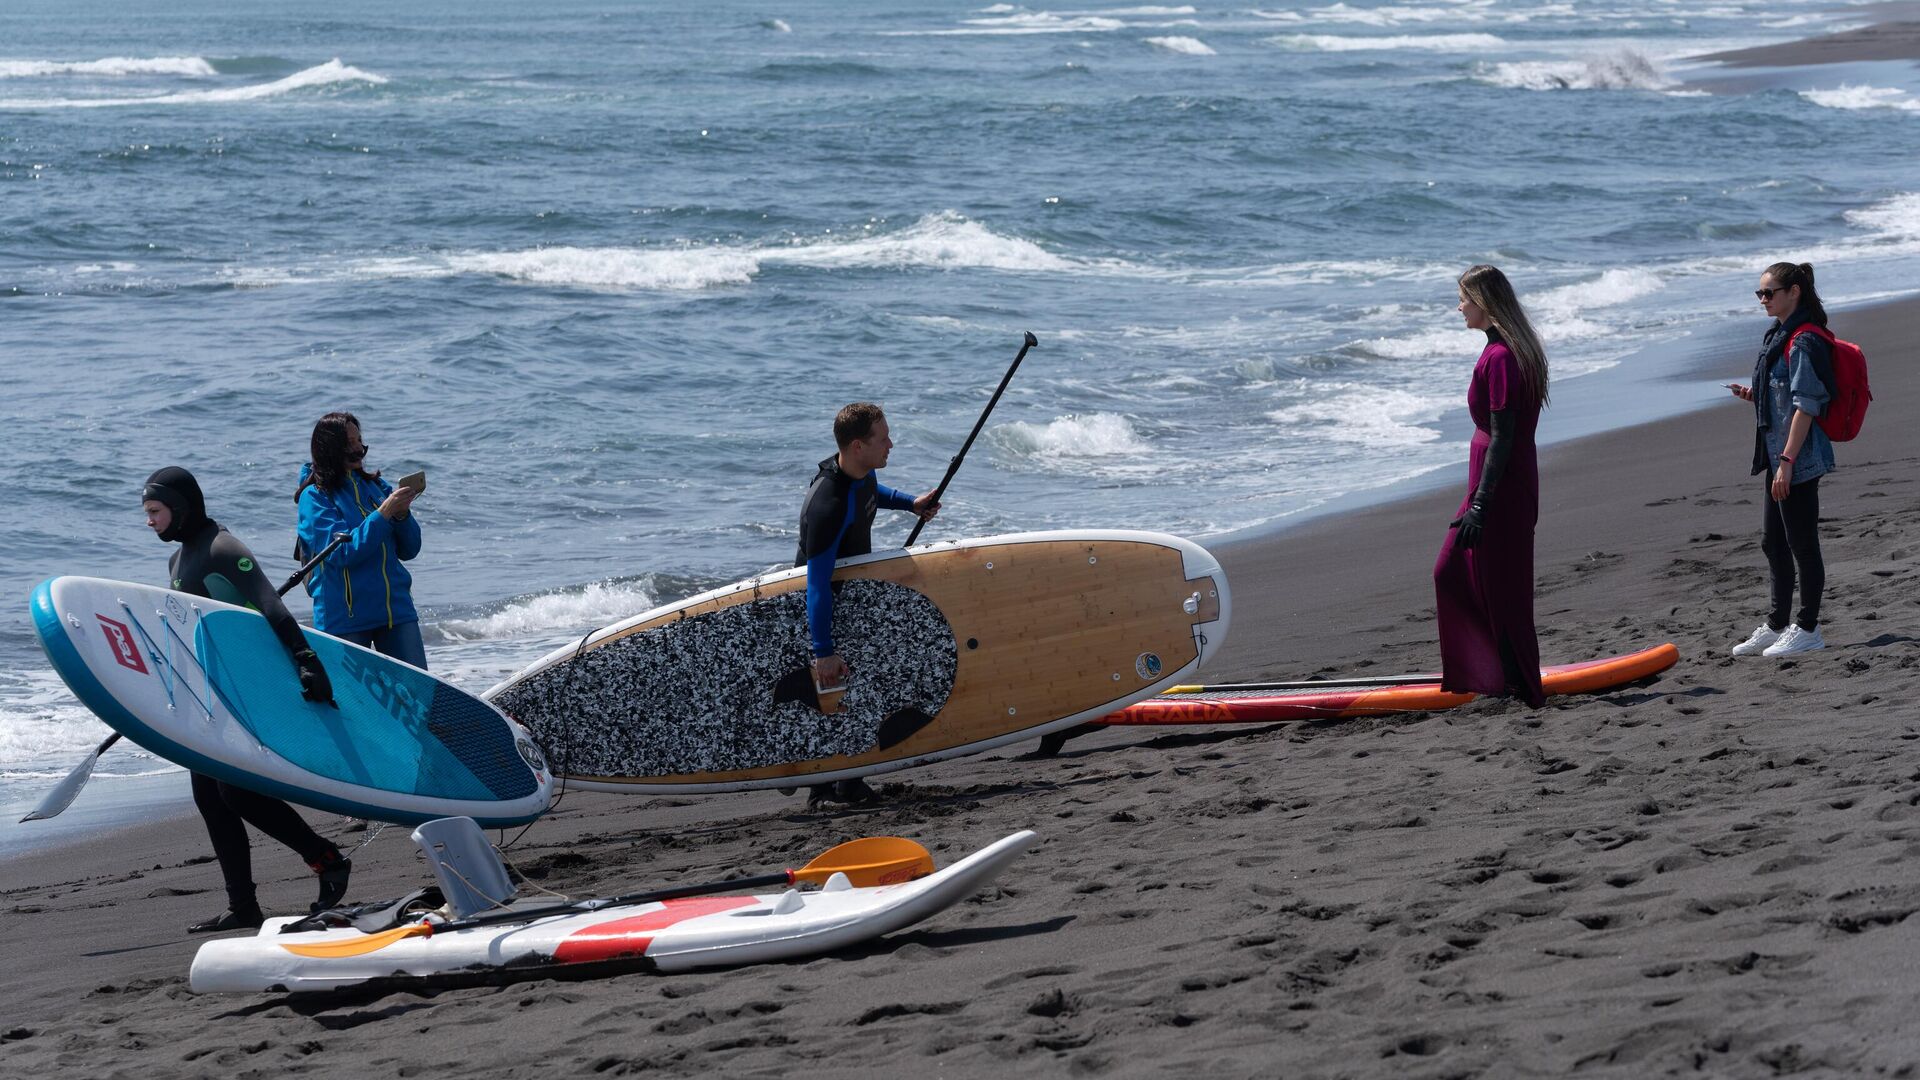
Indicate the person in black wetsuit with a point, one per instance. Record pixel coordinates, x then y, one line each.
213 563
836 522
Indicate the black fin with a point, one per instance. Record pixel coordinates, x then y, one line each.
797 685
1053 743
899 726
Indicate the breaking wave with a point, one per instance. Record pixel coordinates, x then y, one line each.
1622 70
329 73
192 66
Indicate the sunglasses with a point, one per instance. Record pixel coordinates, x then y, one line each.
1766 294
357 455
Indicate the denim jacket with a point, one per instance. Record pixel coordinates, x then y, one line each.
1782 384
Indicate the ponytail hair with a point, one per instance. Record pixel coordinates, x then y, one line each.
1492 293
1786 275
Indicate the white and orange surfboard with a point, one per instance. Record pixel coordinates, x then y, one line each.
662 936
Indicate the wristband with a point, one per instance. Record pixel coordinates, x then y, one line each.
1786 459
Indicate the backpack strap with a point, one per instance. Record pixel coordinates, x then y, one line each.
1826 377
1817 330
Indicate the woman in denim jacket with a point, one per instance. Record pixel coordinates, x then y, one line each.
1789 392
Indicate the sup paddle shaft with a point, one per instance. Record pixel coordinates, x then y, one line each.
954 465
63 793
306 568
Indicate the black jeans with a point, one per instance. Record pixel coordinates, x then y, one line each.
224 807
1792 540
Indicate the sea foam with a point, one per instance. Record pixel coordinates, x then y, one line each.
613 268
1897 218
1624 69
1091 435
1863 97
192 66
944 241
1021 22
1368 415
1185 45
569 610
1426 344
1425 42
329 73
1611 288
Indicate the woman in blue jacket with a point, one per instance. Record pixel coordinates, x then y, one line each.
363 592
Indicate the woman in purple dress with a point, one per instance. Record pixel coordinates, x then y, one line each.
1483 580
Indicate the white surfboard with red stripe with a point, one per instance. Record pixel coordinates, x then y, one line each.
669 936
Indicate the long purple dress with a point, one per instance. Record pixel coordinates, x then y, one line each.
1484 595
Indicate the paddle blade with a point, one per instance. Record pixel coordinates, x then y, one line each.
875 860
360 946
62 794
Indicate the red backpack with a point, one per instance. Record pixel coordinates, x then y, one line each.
1847 408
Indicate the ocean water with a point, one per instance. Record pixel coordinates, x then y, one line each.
606 270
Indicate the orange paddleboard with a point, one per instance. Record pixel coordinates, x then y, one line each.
1257 704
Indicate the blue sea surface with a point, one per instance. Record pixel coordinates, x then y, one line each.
607 270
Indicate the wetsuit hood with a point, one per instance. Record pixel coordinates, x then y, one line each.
177 488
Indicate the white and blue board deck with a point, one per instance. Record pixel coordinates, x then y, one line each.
208 686
955 648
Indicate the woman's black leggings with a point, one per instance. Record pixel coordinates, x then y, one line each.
1792 540
224 807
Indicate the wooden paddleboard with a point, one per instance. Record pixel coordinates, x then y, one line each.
208 686
1356 698
955 648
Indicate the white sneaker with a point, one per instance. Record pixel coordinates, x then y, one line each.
1762 639
1796 640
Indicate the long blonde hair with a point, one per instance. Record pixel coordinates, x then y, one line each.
1491 292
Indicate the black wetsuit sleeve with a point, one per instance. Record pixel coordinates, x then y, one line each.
1494 466
231 560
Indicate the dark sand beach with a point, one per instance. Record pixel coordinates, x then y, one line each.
1710 874
1894 35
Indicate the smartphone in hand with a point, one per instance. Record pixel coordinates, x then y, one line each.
415 480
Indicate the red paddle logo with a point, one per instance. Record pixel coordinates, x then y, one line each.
120 640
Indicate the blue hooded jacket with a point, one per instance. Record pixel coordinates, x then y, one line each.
362 585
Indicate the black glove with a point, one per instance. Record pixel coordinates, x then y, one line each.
1469 525
1492 468
314 684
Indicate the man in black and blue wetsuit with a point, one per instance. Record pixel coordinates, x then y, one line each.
836 522
212 562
